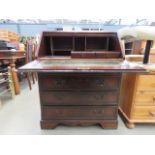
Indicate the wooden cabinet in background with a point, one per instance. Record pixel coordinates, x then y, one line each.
133 47
138 47
137 100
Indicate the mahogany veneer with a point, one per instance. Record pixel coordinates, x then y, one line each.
79 76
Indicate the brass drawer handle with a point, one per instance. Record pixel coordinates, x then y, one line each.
95 111
152 114
98 111
100 82
99 97
60 83
58 112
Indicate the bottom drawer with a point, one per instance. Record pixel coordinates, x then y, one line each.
79 112
144 112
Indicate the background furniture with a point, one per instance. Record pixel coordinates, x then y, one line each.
31 48
8 36
138 90
79 76
6 83
137 47
12 57
132 47
137 101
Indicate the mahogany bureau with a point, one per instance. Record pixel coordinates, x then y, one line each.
79 77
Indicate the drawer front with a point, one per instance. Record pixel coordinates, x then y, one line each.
144 112
79 112
146 82
145 98
80 83
79 98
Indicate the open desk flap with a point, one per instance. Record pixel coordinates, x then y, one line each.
83 65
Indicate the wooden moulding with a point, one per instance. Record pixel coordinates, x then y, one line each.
51 124
128 122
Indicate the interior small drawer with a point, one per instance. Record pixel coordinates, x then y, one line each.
146 82
79 98
79 83
145 98
79 112
144 112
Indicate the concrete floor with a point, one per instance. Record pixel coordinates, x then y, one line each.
22 116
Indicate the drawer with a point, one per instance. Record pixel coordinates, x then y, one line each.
79 112
144 112
145 98
79 83
79 98
146 82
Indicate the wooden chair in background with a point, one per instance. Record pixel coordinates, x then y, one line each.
30 56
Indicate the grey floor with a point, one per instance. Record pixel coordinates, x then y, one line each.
22 116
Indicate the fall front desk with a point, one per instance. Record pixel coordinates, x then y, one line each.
79 76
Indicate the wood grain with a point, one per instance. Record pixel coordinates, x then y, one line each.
146 82
139 106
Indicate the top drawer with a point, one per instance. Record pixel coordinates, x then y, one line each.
79 82
146 82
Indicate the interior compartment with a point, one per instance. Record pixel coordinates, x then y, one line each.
47 42
62 43
79 43
97 43
112 44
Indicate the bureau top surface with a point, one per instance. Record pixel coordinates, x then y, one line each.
48 64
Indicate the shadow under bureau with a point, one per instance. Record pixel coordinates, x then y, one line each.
79 76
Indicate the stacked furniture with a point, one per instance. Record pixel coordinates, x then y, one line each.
11 55
9 36
79 76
